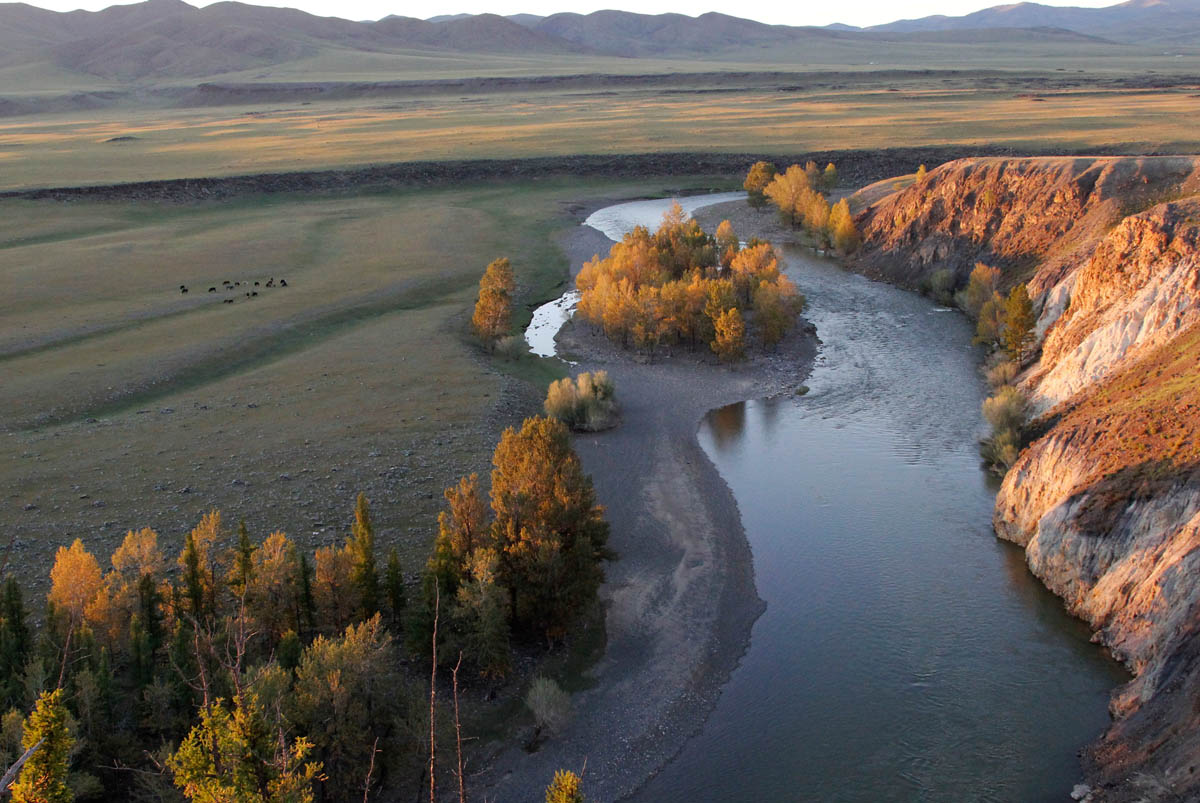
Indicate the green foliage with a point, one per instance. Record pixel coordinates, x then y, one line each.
587 403
1006 412
941 286
235 756
991 322
1019 322
394 586
43 779
15 643
363 574
567 787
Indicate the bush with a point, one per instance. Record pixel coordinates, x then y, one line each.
551 706
1001 450
512 347
941 286
1002 373
587 403
1006 409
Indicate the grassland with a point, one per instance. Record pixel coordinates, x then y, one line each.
734 114
126 403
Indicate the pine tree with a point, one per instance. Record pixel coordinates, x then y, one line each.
15 643
306 605
567 787
364 575
243 561
1019 322
394 580
43 779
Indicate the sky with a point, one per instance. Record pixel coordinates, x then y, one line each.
785 12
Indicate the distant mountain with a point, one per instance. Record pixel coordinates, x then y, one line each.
1144 21
161 39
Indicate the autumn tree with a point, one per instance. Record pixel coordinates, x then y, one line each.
43 779
981 287
550 534
493 309
788 191
757 179
843 231
1019 322
567 787
727 243
920 174
729 342
829 178
776 305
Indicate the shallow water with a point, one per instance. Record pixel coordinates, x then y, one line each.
905 653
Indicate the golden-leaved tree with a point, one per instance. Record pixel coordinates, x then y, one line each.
493 309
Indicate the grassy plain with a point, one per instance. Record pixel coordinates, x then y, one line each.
734 114
127 404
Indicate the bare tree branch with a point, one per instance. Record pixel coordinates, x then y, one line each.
11 775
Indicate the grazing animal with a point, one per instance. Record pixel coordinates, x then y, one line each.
254 293
256 284
283 282
247 295
227 301
182 289
212 289
271 282
226 282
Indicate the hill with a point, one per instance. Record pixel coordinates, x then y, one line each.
1141 21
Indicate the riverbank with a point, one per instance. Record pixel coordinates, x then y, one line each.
680 600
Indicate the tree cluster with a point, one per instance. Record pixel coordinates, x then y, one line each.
526 562
798 194
682 286
238 671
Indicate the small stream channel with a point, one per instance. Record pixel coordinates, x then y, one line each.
905 653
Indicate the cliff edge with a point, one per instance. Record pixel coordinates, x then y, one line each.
1105 499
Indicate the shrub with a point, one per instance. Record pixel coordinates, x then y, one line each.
587 403
1001 450
1002 373
567 787
551 706
1006 409
512 347
941 286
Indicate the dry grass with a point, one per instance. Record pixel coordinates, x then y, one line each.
277 409
72 148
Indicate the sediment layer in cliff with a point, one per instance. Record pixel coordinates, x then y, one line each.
1106 499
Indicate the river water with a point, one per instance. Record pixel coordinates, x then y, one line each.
905 653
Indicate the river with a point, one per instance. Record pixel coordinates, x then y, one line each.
905 653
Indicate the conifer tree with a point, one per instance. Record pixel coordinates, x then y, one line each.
363 574
306 605
1019 322
829 178
15 643
43 779
394 581
243 560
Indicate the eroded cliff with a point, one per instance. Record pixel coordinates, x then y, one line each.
1106 500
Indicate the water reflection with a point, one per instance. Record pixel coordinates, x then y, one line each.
905 654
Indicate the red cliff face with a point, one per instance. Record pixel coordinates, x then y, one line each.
1106 502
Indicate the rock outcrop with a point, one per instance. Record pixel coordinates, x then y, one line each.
1106 500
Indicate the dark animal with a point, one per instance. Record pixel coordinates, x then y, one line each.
256 284
271 282
283 282
212 289
254 293
182 289
227 301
